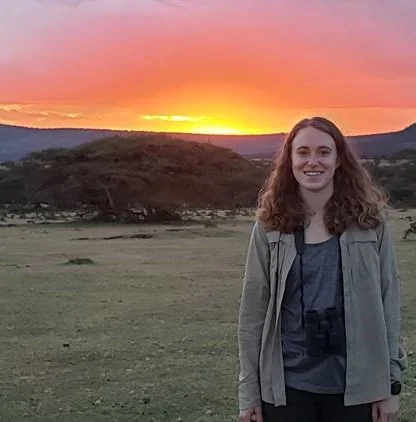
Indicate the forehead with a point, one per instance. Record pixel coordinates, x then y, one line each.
313 138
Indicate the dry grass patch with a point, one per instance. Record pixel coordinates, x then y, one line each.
148 333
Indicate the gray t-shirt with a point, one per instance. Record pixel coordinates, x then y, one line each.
322 288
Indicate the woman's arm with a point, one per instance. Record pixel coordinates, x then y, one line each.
253 307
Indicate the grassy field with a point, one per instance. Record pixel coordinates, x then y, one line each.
145 333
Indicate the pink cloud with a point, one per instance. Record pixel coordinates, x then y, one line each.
299 56
70 3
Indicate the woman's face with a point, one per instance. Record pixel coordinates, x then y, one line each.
314 159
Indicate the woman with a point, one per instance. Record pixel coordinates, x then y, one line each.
319 321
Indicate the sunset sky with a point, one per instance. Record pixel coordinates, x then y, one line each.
208 66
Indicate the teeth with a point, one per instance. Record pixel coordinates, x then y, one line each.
312 173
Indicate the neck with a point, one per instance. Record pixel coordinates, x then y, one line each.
316 201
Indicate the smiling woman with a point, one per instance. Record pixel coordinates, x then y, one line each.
319 322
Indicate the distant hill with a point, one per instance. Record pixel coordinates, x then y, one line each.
147 172
17 141
386 143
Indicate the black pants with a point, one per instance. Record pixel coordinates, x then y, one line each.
302 406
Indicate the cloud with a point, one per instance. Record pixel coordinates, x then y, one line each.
170 3
7 122
31 111
69 3
11 107
174 118
55 115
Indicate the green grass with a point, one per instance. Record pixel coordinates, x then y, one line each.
147 333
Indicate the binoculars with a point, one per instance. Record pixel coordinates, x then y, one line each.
324 332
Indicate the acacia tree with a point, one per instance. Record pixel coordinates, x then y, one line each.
157 174
410 230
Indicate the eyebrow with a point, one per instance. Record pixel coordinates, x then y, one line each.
320 147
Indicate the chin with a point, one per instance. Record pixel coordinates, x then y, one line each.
314 187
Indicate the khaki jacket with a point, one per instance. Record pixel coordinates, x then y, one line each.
372 316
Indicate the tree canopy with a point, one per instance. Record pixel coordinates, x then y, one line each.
152 172
157 175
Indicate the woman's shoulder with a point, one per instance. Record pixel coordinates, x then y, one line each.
265 233
355 231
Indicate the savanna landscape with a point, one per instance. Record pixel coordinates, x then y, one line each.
135 137
121 272
108 322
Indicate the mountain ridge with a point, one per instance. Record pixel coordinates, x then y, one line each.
18 141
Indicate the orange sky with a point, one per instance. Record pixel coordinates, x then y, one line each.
218 66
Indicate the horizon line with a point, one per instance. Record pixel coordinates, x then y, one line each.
186 133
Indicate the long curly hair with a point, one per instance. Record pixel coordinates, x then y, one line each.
356 198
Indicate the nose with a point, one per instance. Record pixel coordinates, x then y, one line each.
313 160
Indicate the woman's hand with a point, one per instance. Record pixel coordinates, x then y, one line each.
386 410
250 415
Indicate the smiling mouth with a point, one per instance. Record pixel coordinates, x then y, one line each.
313 173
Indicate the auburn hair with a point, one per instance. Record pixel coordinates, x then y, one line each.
356 199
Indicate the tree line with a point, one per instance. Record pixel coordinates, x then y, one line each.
153 176
397 175
150 175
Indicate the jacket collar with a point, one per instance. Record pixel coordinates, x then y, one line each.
352 234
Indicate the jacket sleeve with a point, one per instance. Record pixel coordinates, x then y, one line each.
391 296
253 306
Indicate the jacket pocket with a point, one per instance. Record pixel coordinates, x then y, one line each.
365 262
